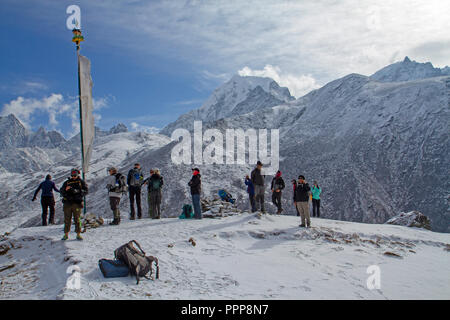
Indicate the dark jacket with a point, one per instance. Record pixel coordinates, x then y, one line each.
154 177
301 192
250 187
135 178
257 177
195 184
279 182
47 187
77 191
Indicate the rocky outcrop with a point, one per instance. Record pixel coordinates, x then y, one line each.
411 219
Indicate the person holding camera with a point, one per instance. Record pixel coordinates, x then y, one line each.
316 191
277 186
301 200
73 190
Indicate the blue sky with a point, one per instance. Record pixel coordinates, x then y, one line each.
154 60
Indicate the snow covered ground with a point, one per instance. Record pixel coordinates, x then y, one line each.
237 257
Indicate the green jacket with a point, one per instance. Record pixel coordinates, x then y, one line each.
316 192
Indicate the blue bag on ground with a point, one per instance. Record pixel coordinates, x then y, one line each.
113 268
226 196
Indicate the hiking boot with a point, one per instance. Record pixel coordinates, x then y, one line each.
64 238
132 218
139 217
115 222
79 237
302 226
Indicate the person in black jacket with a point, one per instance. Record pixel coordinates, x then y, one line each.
47 199
196 187
135 180
301 200
73 191
258 182
155 183
276 187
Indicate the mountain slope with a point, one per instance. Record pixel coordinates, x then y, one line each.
238 96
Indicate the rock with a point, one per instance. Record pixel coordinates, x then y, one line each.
392 254
4 248
192 241
92 221
411 219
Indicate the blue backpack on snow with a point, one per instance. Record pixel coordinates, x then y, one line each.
225 196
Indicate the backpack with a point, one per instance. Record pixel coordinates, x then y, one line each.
135 177
226 196
138 264
187 212
121 184
156 184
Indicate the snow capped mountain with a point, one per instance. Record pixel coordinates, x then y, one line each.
408 70
376 148
238 96
12 132
118 128
44 139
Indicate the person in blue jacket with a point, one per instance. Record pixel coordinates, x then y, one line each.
316 191
47 199
251 192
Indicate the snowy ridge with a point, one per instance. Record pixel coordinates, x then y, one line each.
239 95
408 70
237 257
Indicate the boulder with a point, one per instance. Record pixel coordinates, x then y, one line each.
411 219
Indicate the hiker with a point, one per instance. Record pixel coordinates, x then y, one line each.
155 183
73 190
276 187
113 185
251 192
294 185
258 182
149 200
135 179
47 199
301 200
196 187
316 191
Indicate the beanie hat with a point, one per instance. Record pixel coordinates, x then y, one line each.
301 177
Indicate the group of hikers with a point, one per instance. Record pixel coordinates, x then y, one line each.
74 189
301 190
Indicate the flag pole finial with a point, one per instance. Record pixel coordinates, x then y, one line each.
77 37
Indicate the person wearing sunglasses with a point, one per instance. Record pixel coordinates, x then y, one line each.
73 191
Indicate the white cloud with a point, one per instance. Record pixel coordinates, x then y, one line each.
26 108
55 107
297 85
325 39
138 127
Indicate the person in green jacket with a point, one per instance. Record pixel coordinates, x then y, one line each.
316 190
